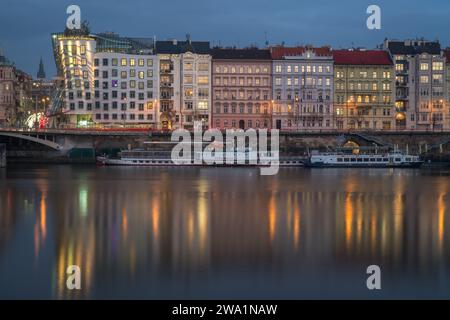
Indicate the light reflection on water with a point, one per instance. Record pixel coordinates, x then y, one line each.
223 233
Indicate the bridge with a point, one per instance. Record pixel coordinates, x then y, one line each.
43 139
64 140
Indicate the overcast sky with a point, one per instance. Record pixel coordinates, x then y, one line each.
25 25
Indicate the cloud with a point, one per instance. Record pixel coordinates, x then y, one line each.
29 23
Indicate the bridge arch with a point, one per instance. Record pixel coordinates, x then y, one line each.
47 143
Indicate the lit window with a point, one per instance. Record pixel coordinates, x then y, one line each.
203 80
203 105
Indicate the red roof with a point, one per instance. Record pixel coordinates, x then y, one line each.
362 57
447 55
281 52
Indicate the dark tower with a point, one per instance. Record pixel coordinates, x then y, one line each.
41 72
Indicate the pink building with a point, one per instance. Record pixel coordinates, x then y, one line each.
242 94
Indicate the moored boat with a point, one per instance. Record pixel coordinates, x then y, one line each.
394 159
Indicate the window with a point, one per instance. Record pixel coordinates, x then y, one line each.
278 69
203 80
424 66
203 66
188 79
123 62
188 66
438 66
149 62
203 92
189 92
203 104
424 79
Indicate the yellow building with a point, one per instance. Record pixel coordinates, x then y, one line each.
364 90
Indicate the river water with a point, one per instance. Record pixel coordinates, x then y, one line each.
198 233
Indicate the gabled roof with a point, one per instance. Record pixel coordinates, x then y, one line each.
176 47
414 47
244 54
362 57
283 52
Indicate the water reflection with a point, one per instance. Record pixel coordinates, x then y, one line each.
196 233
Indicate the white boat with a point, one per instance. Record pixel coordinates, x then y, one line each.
394 159
247 157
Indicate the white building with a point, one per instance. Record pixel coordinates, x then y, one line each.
185 84
302 88
108 80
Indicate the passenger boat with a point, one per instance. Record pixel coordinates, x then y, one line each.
142 157
394 159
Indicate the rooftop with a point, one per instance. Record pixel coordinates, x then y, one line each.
362 57
413 47
244 54
283 52
176 46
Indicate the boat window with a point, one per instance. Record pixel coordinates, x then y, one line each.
379 159
408 159
339 159
372 160
398 159
366 159
346 160
134 161
385 159
359 160
353 160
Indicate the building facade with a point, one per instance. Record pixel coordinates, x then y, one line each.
15 94
447 91
363 90
420 84
242 91
108 80
7 97
302 88
185 84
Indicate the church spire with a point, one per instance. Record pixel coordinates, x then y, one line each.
41 72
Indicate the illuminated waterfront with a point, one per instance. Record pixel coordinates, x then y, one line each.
223 232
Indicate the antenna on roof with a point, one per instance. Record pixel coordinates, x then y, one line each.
265 39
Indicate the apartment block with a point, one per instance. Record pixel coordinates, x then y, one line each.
364 90
185 84
302 88
420 84
242 90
